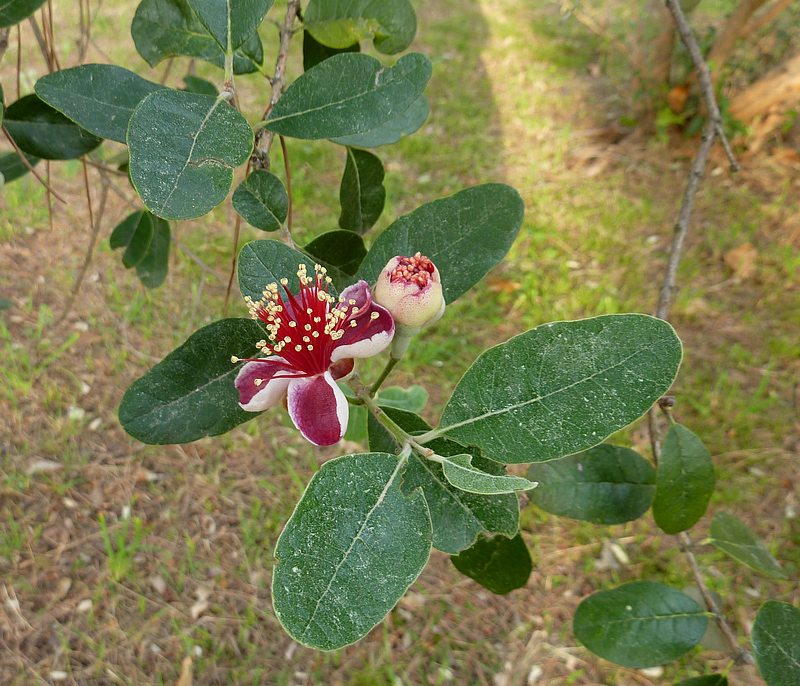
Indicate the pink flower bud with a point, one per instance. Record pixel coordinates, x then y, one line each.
410 288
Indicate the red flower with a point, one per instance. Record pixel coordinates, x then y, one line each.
313 338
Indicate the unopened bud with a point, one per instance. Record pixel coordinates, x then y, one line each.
411 289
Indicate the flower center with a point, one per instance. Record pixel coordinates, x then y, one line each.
304 328
413 270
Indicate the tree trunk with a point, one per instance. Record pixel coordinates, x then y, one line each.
729 34
778 88
652 59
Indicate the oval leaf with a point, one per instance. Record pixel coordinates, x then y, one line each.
341 252
14 11
194 84
731 535
639 624
44 132
684 481
134 233
458 470
169 28
391 24
190 393
237 19
562 387
262 201
98 97
183 148
361 194
708 680
349 93
315 52
265 262
353 526
152 268
776 643
411 399
458 517
465 235
499 564
607 484
12 167
392 130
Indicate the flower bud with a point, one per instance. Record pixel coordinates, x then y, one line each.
410 288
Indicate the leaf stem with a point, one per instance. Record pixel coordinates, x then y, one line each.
386 371
404 438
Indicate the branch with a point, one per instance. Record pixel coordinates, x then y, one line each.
265 138
704 77
3 41
769 15
29 166
740 655
668 286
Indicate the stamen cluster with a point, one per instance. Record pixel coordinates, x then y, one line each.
417 269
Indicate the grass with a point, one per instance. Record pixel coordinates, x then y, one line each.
593 242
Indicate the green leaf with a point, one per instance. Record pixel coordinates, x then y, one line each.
134 233
361 195
262 200
190 393
44 132
315 52
353 546
684 481
340 252
458 470
98 97
562 387
391 24
391 130
499 564
465 235
457 516
731 535
267 261
776 643
412 399
152 268
183 149
238 18
169 28
11 166
708 680
639 624
349 93
607 484
194 84
14 11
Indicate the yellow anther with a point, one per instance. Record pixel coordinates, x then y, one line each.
292 324
258 382
353 323
310 347
307 327
284 281
298 348
234 359
351 301
315 334
306 339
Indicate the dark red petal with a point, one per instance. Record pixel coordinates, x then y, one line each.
318 408
256 398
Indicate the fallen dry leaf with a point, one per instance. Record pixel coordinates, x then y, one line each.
742 261
185 678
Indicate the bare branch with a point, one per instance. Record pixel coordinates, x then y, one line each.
684 216
740 655
265 138
766 17
733 29
29 166
703 75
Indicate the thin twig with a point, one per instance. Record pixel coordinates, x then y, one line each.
287 168
386 371
29 166
94 224
684 216
19 60
740 655
712 129
704 76
237 226
39 39
49 195
265 138
56 63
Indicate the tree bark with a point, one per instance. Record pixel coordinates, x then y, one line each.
655 41
778 88
730 33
